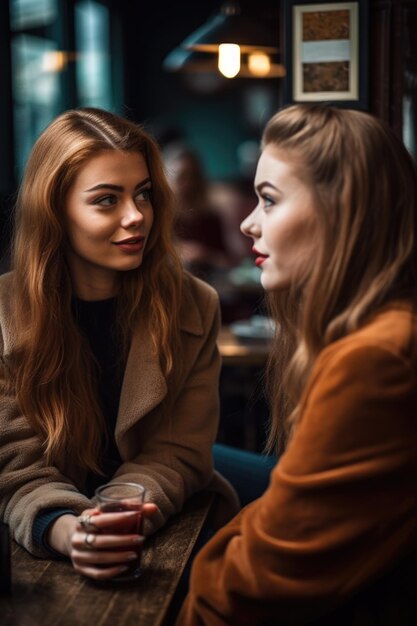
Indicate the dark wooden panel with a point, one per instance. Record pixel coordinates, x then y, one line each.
380 63
393 50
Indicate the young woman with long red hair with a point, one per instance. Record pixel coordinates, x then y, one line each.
109 365
333 540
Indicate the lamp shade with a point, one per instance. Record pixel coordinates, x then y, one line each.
230 29
182 60
201 51
229 26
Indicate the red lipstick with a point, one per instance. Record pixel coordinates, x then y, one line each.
260 258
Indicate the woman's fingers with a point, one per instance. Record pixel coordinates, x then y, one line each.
103 521
100 573
105 544
103 556
94 542
94 511
82 557
93 520
86 521
149 509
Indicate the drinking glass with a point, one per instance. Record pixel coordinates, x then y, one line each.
117 498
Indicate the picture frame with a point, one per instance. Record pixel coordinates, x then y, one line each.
325 52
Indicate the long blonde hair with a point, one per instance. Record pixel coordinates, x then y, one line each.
53 371
365 188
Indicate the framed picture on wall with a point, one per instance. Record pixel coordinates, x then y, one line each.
325 52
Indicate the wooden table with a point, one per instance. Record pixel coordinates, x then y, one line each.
50 593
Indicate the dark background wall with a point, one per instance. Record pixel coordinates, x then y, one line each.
212 112
218 116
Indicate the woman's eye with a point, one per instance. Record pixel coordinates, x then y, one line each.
267 201
106 201
144 196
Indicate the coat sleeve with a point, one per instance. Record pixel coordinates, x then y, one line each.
341 507
175 457
28 484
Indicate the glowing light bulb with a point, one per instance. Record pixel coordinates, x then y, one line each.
229 59
259 64
54 61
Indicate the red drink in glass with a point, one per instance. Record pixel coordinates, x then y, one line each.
121 498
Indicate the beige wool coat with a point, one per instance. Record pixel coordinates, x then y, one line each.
169 452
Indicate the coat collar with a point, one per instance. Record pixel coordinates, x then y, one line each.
144 385
191 320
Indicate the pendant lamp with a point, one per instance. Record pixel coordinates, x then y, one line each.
231 44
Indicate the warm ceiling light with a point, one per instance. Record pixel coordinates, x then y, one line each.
54 61
191 62
229 59
259 64
226 28
57 60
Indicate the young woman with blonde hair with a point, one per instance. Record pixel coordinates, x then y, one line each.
334 537
109 365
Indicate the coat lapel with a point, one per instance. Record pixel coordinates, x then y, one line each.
144 385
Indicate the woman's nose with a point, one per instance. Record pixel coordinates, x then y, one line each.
250 226
132 217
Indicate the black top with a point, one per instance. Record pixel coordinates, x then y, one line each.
97 321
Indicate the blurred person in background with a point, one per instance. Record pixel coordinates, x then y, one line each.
203 241
232 199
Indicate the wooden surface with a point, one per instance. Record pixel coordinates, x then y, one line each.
244 353
50 593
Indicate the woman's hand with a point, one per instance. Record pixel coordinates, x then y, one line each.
95 548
